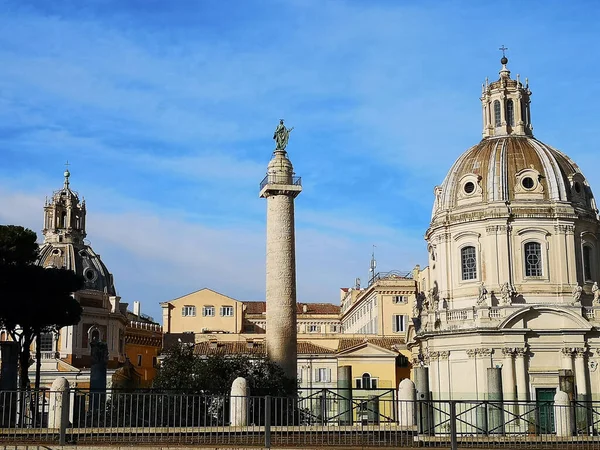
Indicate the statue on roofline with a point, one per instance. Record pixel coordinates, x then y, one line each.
281 136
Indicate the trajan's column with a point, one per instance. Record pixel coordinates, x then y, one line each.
280 187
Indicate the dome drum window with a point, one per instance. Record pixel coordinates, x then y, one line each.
533 259
469 189
468 263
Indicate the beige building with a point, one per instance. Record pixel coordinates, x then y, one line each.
513 264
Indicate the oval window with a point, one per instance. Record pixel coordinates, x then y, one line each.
469 187
577 187
528 183
89 274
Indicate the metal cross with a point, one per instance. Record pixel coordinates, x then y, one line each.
67 164
503 48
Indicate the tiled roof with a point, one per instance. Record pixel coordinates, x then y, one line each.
308 348
229 348
383 342
311 308
304 347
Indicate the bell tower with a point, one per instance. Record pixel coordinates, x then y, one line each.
280 187
64 216
506 105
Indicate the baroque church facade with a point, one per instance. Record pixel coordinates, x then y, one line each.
514 261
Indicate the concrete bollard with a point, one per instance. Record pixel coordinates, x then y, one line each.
424 409
58 404
407 394
238 409
563 423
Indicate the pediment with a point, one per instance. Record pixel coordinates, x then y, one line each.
367 349
551 318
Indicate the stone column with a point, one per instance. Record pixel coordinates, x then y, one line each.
521 374
280 188
238 407
508 374
581 413
344 384
445 388
424 419
9 369
495 396
407 395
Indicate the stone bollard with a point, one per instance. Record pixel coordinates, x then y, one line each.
407 394
238 409
563 423
58 404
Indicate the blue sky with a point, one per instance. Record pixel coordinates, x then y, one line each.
165 111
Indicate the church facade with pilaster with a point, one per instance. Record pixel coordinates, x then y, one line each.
514 261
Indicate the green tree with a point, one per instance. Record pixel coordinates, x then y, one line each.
183 371
33 300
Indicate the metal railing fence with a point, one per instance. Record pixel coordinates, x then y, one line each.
326 418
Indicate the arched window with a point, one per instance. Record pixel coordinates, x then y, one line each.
468 262
510 113
366 380
533 259
64 220
587 263
497 115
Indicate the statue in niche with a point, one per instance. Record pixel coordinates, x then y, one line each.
577 291
281 136
596 293
481 300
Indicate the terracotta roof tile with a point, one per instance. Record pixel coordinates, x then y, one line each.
311 308
308 348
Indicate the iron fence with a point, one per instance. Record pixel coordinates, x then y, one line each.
342 418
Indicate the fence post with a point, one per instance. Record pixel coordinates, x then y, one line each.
268 421
453 439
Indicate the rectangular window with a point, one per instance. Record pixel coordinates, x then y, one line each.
533 259
154 361
400 299
334 328
188 311
46 342
587 263
208 311
399 323
314 329
323 375
468 260
139 361
227 311
358 383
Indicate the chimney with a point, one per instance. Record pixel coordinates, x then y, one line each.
304 309
136 308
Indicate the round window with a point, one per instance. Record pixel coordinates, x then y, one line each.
89 274
469 187
56 251
528 183
577 187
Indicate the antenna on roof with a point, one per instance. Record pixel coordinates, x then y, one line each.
357 283
373 263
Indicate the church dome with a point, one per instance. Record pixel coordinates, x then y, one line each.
82 260
509 167
513 169
64 246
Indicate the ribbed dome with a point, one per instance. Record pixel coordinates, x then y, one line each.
514 169
80 259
